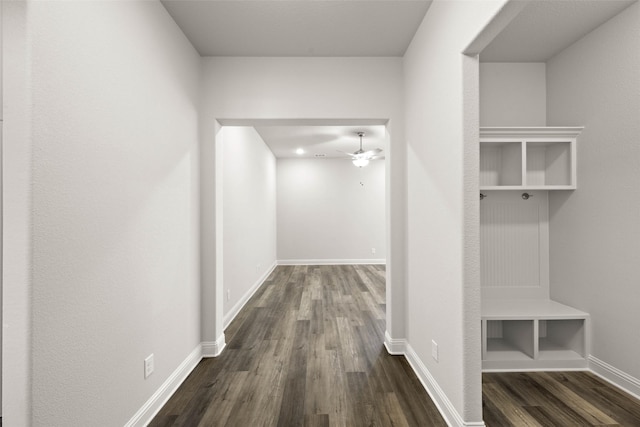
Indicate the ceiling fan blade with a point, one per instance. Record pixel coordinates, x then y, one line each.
347 153
371 153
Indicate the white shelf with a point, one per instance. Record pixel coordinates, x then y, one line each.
533 334
513 309
521 132
500 349
552 351
528 158
526 187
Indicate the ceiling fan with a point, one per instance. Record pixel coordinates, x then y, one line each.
361 158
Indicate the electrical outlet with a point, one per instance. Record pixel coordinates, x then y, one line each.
373 251
228 294
148 366
434 350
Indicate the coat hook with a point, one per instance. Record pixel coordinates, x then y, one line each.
525 196
482 196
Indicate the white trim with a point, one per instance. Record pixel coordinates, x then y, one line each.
228 318
531 132
438 396
394 346
331 261
488 371
615 376
152 406
213 349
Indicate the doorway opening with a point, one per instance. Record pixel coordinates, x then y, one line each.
311 209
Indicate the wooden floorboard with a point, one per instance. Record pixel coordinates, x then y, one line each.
306 350
555 399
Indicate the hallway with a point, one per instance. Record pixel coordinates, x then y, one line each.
306 350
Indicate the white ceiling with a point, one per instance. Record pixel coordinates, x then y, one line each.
546 27
299 28
363 28
326 141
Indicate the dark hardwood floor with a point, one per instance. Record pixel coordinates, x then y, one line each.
306 351
555 399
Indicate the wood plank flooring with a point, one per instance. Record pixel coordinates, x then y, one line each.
555 399
306 351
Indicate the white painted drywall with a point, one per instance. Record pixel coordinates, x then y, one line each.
595 230
102 138
1 305
249 198
1 211
330 210
308 88
16 217
442 119
513 94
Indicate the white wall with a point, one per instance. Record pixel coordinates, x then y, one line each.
513 94
101 132
351 89
595 230
16 217
442 119
249 194
330 210
1 305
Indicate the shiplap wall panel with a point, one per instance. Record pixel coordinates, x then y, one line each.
514 245
512 164
510 250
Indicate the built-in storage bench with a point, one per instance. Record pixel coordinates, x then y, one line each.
522 329
533 334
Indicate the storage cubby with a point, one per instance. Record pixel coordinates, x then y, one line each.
533 334
549 164
509 340
561 339
542 158
500 164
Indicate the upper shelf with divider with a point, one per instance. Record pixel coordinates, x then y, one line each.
528 158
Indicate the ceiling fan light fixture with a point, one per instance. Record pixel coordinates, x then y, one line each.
360 162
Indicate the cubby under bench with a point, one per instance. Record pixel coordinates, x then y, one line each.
525 335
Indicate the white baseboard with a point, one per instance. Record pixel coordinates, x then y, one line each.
152 406
213 349
393 345
615 376
438 396
489 371
228 318
331 261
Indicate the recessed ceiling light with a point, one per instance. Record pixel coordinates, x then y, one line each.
299 151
